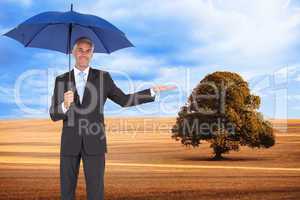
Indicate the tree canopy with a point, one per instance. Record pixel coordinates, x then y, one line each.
222 111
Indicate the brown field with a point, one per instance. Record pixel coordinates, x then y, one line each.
143 162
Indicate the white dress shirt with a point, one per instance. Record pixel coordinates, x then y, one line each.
86 71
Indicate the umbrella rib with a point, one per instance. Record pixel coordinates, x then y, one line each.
35 35
100 40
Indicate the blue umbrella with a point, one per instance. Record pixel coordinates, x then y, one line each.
59 31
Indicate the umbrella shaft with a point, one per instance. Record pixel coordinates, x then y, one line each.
69 52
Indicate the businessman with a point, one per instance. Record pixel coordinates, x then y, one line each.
81 109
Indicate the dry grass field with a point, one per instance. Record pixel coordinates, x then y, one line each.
143 162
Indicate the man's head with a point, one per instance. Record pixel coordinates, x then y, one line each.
83 52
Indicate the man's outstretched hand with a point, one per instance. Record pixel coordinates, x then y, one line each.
161 88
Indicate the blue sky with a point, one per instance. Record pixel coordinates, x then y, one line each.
176 42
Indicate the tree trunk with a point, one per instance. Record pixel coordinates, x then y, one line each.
218 156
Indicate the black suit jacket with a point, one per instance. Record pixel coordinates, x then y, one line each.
84 122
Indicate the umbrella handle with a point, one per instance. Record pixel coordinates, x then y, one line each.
70 87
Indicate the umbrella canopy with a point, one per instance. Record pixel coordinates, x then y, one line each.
59 31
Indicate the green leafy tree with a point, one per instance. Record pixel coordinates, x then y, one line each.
222 111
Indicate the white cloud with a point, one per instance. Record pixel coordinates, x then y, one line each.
245 33
128 63
6 94
19 2
295 97
4 30
237 33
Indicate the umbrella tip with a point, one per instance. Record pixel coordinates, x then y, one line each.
71 7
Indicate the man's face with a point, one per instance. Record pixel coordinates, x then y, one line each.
83 54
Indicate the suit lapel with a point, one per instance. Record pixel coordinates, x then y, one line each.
74 89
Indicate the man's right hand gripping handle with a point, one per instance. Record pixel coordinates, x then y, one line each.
68 100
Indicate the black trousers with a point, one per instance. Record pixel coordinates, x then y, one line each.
93 166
